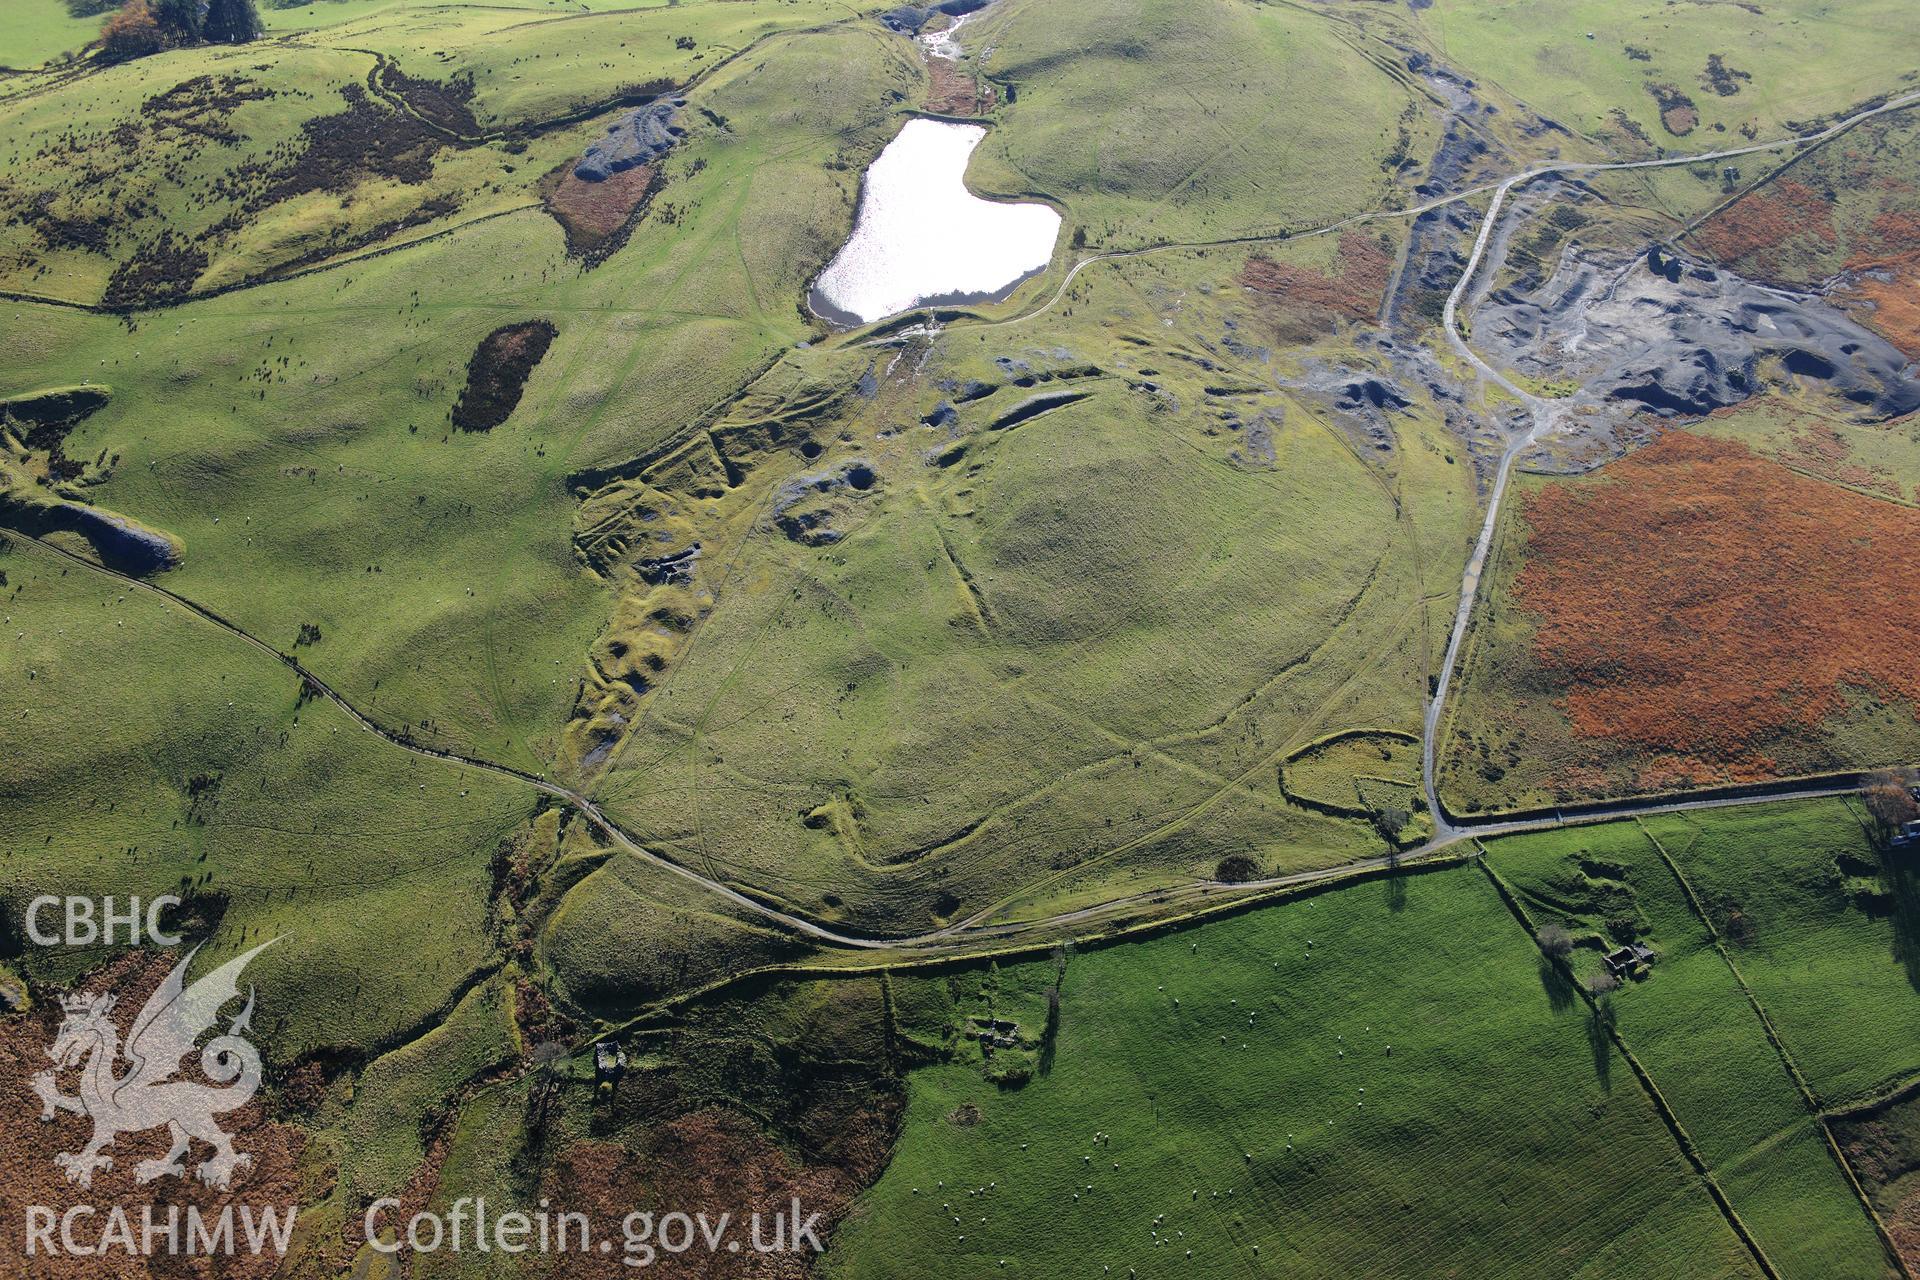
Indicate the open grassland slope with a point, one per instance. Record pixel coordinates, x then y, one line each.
529 67
1694 613
1825 930
297 438
151 753
144 183
1644 74
200 169
1042 608
40 32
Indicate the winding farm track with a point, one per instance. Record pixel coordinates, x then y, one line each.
959 938
964 935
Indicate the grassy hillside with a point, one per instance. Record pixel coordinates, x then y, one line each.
1063 654
1215 118
197 169
41 31
312 484
153 754
38 31
1689 77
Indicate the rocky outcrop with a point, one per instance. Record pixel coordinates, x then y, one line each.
639 137
1659 334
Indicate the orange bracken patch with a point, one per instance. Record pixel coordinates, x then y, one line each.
1758 224
1895 302
1891 252
1353 291
1702 601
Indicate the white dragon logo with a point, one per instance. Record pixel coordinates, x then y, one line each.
148 1096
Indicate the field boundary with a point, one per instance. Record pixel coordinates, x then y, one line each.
1640 1073
1119 933
1807 1094
1811 785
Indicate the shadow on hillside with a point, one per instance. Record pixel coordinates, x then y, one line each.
1396 882
1600 1040
1558 985
1901 874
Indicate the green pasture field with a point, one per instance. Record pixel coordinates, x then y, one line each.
1689 1020
530 67
38 31
304 15
1055 604
1823 928
1804 60
1222 1101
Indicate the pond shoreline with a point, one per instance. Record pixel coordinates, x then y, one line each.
918 226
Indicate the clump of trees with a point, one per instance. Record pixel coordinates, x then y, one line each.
141 27
1889 799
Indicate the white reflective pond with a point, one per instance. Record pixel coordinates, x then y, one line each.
921 237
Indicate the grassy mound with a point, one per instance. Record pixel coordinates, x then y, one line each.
1214 118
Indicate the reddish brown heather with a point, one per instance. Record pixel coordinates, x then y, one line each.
1703 601
953 92
592 212
1904 1227
1889 251
1756 226
1896 304
715 1161
1353 291
28 1175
